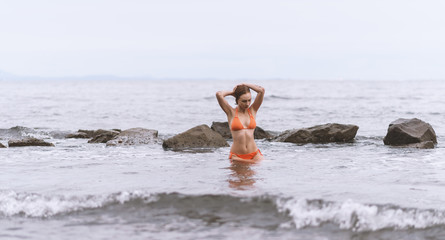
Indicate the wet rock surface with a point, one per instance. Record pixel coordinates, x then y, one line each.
222 128
260 133
135 136
422 145
88 133
411 133
78 135
26 142
103 136
331 132
201 136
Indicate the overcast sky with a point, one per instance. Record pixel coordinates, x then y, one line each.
312 39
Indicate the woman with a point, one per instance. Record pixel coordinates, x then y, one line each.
242 121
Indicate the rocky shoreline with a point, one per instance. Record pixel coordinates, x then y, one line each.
413 133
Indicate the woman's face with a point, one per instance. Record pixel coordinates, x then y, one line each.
244 100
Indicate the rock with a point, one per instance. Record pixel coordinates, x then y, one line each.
331 132
29 142
409 131
89 133
135 136
422 145
78 135
98 136
2 146
259 133
198 137
223 129
103 136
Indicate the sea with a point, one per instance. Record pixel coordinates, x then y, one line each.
335 191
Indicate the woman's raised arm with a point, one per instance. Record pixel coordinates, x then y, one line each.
259 97
220 96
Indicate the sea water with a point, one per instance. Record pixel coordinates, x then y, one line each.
357 190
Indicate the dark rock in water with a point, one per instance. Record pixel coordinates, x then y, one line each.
98 136
135 136
95 133
223 129
2 146
259 133
89 133
409 131
198 137
29 142
103 136
331 132
78 135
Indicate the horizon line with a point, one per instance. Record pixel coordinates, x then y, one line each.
5 76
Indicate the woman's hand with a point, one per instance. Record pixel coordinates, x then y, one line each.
239 85
236 87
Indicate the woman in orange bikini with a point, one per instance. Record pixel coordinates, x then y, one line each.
243 148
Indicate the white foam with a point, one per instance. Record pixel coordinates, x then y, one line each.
357 216
37 205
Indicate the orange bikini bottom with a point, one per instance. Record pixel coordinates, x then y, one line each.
248 156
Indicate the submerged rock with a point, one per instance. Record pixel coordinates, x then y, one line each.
81 133
422 145
223 129
198 137
410 131
103 136
331 132
2 146
135 136
29 142
88 133
78 135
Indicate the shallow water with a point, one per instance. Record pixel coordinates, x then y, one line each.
358 190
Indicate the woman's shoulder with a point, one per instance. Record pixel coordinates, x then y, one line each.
252 110
231 111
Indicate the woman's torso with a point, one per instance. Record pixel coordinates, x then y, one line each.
243 139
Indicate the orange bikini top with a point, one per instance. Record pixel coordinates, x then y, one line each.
237 125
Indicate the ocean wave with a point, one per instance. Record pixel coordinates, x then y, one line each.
261 211
17 132
38 205
281 97
20 132
359 217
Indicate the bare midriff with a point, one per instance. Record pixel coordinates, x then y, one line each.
243 141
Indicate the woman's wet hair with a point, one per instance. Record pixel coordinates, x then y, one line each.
240 90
